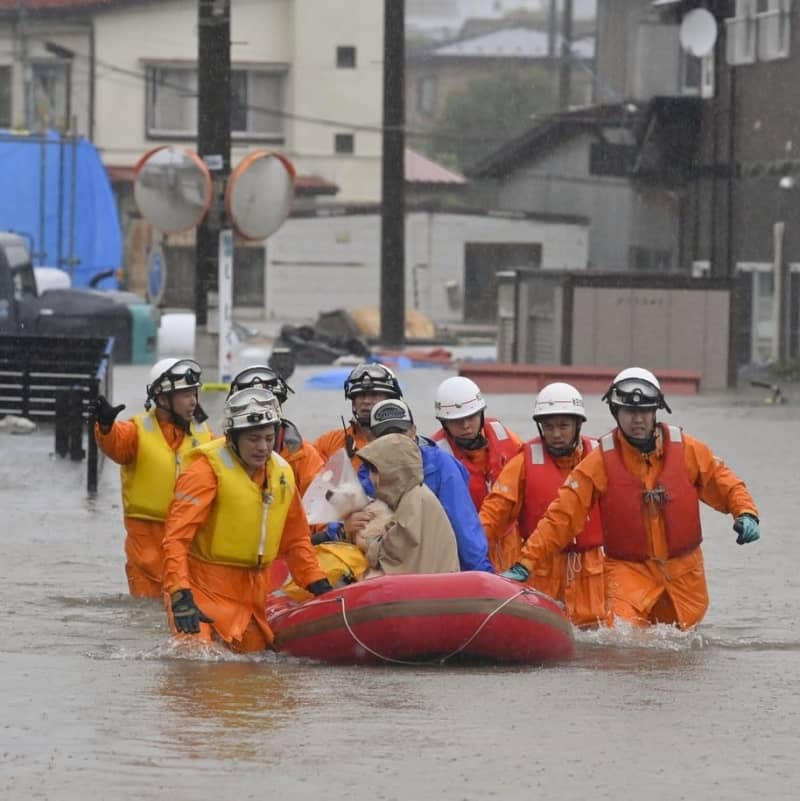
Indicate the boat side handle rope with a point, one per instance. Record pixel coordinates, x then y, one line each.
442 660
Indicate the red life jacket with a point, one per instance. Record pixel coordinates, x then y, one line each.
543 477
624 507
501 447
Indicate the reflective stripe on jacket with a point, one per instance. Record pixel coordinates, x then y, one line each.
245 523
501 445
149 480
627 503
542 479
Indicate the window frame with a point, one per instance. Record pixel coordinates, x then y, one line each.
342 63
340 137
61 65
8 122
152 132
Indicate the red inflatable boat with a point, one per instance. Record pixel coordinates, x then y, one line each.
414 619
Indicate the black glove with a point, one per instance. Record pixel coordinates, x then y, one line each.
185 612
319 587
104 412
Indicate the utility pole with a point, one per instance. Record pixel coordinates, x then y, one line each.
393 303
213 137
565 71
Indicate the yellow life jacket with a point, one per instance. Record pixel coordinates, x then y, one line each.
342 563
245 524
149 480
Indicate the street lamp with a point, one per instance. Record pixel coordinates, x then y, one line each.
782 289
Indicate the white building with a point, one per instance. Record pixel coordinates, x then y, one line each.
124 75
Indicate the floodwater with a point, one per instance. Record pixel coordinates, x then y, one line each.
97 703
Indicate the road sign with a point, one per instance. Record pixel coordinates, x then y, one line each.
156 275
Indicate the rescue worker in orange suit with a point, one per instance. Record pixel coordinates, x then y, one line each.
235 509
301 455
527 485
367 384
648 479
483 445
150 448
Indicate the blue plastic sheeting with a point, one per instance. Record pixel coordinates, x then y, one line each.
329 379
37 190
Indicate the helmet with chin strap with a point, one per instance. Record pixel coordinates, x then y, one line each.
171 374
637 388
458 397
557 399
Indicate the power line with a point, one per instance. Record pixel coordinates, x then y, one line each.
451 137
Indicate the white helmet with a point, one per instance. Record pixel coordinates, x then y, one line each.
559 398
169 374
636 387
458 397
250 408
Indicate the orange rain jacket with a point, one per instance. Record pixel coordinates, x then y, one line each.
574 578
331 441
303 457
659 589
484 467
233 597
144 559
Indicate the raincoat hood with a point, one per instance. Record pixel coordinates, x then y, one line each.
398 460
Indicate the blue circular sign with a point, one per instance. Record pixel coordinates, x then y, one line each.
156 275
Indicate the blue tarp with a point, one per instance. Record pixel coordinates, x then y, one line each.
32 199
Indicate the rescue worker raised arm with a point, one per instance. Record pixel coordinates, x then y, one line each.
149 449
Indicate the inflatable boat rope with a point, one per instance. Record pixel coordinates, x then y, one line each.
443 659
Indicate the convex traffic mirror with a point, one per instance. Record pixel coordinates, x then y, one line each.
172 188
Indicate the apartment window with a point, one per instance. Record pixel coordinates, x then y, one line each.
51 94
344 143
426 94
641 259
697 74
759 29
774 29
5 97
346 57
257 100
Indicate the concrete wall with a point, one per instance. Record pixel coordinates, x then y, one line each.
322 263
559 182
659 328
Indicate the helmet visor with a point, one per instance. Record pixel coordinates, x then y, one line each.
371 378
187 370
636 392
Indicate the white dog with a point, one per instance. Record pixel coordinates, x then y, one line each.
348 498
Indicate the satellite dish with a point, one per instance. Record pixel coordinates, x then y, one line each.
698 32
259 194
172 188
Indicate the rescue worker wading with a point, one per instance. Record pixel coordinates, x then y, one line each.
367 384
301 455
149 449
483 445
235 510
648 479
527 485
